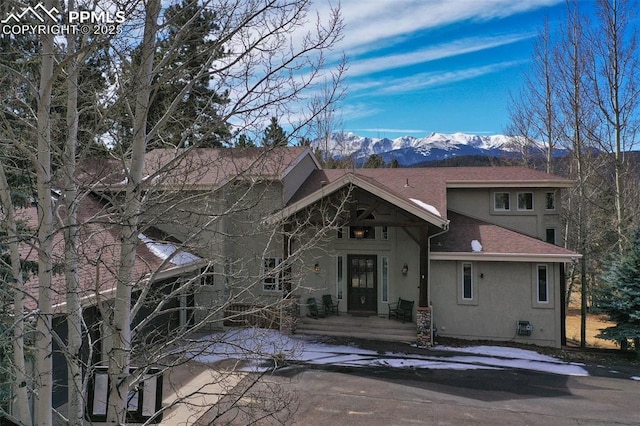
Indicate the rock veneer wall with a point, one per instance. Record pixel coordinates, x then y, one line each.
289 315
423 324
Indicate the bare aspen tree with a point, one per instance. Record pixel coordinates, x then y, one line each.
263 62
534 112
614 77
70 200
572 65
43 342
120 357
21 376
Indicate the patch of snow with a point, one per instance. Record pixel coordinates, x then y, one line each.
257 346
427 207
476 246
164 250
635 378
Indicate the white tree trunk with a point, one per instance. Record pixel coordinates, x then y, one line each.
20 385
43 346
75 391
119 359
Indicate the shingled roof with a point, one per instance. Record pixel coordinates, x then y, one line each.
429 185
495 243
99 256
199 168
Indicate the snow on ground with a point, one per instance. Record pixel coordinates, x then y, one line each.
261 347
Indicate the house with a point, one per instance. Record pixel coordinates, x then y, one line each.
475 248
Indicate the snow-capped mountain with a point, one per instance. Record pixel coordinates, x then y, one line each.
409 150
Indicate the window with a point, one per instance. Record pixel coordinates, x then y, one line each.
339 277
339 234
467 281
550 201
543 284
501 201
207 276
385 233
385 279
551 235
272 280
525 201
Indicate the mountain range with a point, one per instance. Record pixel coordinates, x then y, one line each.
412 151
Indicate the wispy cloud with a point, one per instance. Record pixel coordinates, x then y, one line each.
373 22
430 79
432 53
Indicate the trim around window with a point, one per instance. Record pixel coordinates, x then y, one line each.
542 284
501 201
385 280
525 201
550 200
550 235
339 276
467 292
272 281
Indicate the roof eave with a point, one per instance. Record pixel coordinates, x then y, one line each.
560 183
507 257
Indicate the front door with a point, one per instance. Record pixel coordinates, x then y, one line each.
362 279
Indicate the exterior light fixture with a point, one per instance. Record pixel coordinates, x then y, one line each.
316 268
405 269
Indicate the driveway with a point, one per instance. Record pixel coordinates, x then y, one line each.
469 397
328 384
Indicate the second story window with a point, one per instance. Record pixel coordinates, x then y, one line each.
525 201
550 201
501 201
550 235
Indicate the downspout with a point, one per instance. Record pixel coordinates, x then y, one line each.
445 228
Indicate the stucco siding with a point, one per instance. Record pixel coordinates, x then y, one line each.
504 293
478 203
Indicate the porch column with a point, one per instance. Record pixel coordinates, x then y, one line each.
424 267
423 325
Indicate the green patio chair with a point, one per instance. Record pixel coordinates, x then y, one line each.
330 304
316 310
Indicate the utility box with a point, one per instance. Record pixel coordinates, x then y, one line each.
524 328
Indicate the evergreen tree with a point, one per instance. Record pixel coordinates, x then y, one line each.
374 161
619 296
274 135
186 49
244 141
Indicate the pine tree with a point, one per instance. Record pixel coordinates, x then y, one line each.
375 161
274 134
619 296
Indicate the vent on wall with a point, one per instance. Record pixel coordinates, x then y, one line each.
524 328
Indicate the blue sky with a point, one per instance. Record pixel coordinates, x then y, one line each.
422 66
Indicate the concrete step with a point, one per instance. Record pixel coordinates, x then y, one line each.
371 335
372 328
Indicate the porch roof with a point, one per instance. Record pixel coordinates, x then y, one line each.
493 243
407 191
